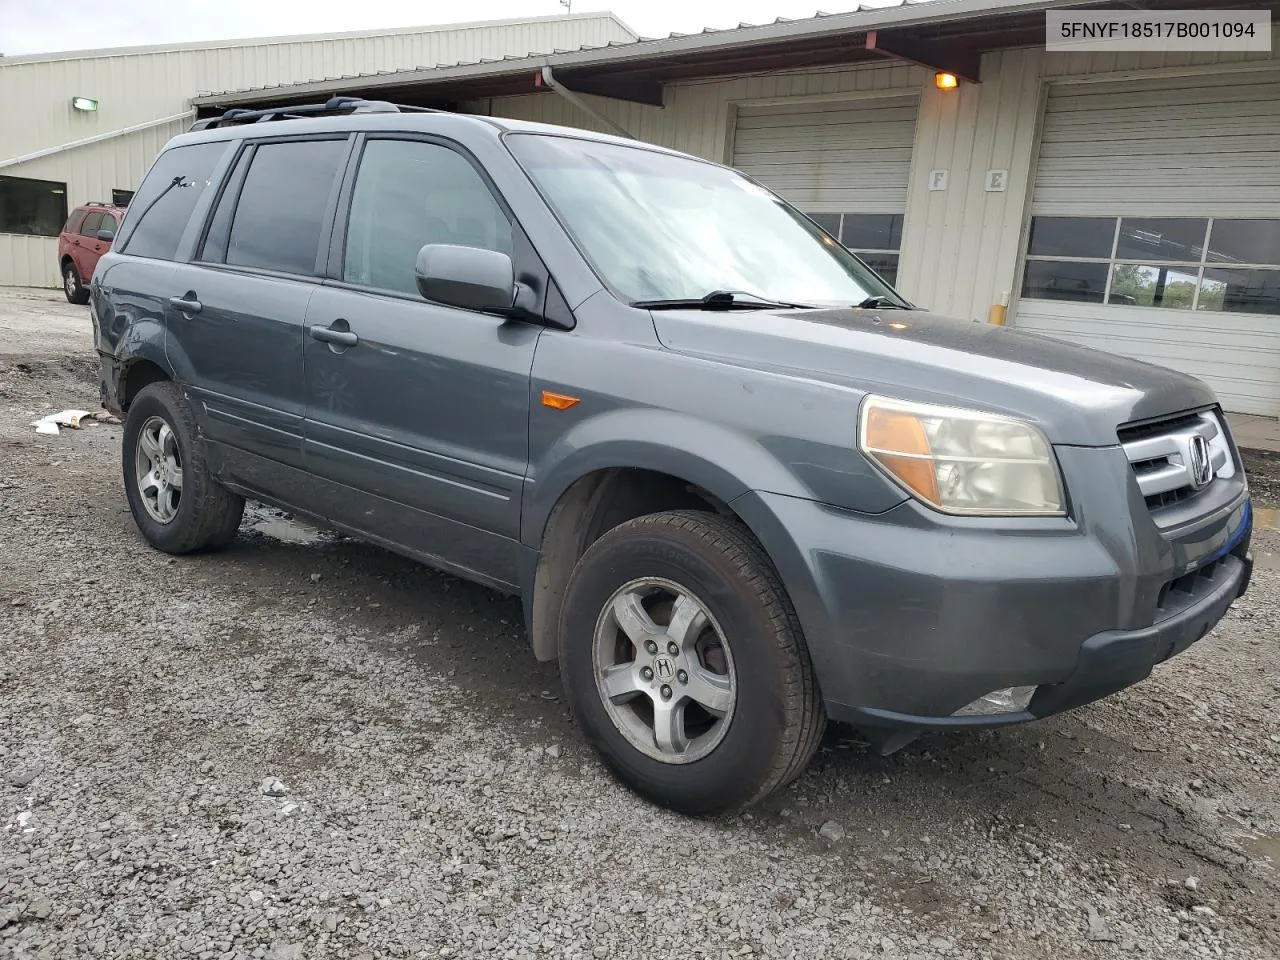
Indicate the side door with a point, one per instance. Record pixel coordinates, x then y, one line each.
131 293
94 247
419 408
236 310
84 245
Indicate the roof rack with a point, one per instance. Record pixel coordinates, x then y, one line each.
333 106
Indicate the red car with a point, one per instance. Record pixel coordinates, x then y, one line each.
85 237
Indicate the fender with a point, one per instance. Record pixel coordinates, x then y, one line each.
724 462
143 343
134 331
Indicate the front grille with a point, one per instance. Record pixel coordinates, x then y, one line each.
1167 456
1185 591
1141 431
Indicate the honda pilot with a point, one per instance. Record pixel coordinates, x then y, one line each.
739 482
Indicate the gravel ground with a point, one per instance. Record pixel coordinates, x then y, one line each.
304 747
1263 470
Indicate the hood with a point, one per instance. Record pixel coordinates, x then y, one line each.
1076 395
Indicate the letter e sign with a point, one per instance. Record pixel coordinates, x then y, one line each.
997 181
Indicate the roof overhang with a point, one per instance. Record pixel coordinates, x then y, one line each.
946 35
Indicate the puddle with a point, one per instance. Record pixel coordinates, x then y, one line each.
1266 847
283 526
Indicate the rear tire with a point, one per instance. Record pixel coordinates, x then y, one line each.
74 289
740 678
177 504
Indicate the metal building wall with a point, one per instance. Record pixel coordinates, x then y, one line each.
135 87
962 245
90 174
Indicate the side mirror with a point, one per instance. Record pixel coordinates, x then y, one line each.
106 236
466 277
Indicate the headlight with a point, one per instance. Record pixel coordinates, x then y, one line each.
962 461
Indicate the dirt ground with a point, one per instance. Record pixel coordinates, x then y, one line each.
436 800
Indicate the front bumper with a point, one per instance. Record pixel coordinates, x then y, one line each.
909 616
1108 662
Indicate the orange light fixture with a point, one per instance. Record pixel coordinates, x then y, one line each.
946 81
559 401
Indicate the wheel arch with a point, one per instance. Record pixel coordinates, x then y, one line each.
622 475
135 374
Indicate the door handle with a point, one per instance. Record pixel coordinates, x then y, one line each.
184 305
342 338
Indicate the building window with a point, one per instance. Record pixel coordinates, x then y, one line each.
875 237
121 198
1175 263
36 208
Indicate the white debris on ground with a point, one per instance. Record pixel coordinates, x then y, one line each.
67 418
71 418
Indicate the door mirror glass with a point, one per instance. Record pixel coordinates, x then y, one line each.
466 277
106 236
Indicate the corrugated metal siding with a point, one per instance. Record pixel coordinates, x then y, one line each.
35 97
696 118
1202 145
1238 355
960 245
1062 65
1180 146
28 261
134 88
90 174
850 155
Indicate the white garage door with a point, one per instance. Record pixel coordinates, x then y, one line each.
846 163
1155 228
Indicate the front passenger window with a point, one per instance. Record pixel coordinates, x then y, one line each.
92 224
408 194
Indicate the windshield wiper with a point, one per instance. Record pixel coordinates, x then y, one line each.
880 303
719 300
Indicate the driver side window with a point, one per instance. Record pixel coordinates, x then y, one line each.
410 193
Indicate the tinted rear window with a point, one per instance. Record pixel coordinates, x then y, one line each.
280 214
164 203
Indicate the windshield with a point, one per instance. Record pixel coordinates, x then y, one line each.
659 227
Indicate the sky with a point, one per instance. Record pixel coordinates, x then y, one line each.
30 26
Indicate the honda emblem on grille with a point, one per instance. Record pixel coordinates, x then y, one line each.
1199 461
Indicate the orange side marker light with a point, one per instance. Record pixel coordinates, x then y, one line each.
559 401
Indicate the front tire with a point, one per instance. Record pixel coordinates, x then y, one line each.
72 286
684 663
177 504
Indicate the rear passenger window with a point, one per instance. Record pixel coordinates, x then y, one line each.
408 194
163 204
280 214
215 242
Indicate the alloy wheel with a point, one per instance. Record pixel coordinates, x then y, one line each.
664 670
